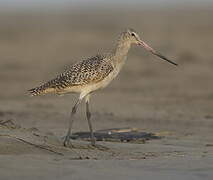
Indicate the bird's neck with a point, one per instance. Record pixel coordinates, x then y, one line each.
121 50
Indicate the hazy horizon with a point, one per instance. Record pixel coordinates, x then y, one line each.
84 3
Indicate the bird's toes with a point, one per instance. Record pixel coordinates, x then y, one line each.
93 142
99 147
67 142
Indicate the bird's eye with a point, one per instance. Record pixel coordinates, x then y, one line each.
133 34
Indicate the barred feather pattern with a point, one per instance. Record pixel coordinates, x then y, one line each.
42 89
91 70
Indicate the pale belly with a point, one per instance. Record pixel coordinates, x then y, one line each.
91 87
88 88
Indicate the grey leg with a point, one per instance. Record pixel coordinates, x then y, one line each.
74 109
88 114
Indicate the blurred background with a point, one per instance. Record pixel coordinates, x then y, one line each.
40 38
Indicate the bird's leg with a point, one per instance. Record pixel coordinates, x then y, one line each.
71 120
88 114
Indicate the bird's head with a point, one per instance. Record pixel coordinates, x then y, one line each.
132 37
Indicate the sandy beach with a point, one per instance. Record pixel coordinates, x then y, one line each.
174 103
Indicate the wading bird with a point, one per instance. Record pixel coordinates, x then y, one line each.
87 76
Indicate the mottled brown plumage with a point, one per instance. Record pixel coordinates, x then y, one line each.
91 70
92 74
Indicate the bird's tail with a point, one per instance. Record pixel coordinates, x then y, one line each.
43 89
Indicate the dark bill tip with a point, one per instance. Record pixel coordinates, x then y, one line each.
164 58
148 48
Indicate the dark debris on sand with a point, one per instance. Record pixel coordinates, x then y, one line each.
130 135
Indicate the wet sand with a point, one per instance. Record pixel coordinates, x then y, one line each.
173 102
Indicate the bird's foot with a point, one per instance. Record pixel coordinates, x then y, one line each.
67 142
99 147
93 141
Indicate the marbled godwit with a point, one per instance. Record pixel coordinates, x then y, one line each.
92 74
